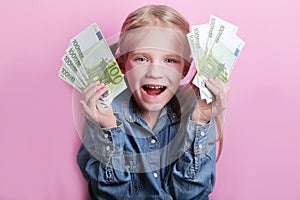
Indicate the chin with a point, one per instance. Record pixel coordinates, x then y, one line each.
154 107
151 104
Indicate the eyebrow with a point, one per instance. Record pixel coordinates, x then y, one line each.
138 52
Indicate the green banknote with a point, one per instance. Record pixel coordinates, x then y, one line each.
78 63
215 23
222 55
215 48
101 65
67 75
88 59
68 63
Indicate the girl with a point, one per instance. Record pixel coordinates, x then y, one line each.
155 140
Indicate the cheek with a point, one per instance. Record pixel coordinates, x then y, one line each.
133 75
180 69
175 72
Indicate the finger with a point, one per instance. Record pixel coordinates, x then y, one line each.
214 87
224 87
87 110
216 81
90 113
89 90
203 104
89 93
95 97
219 89
90 86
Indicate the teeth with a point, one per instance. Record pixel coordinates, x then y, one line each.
155 87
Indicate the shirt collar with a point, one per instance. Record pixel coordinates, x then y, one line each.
125 105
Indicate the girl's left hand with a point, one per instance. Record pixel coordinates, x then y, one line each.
204 112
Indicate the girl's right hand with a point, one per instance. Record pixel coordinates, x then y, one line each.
90 96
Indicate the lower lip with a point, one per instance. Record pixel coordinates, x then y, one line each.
144 92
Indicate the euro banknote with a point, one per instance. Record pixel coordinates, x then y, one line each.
215 23
65 74
88 58
101 65
72 68
215 48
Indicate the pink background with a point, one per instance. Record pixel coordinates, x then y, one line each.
38 138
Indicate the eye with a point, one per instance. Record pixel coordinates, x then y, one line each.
141 59
171 60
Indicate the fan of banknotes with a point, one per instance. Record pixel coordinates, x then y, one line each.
215 48
88 59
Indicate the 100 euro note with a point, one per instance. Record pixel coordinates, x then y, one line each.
202 40
65 74
213 28
220 59
84 42
70 51
92 60
101 65
196 40
99 62
73 57
211 32
72 68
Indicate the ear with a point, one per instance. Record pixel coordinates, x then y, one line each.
121 62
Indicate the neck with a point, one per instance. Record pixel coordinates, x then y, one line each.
151 117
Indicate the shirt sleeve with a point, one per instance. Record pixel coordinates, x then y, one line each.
102 162
192 175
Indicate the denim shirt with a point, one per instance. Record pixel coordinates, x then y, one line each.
174 160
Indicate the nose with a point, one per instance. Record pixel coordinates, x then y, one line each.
154 71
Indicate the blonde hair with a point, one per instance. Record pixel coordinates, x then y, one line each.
152 15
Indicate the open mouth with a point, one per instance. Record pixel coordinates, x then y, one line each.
154 90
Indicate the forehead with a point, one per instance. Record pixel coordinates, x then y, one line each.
154 38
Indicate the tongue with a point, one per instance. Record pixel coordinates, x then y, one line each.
153 91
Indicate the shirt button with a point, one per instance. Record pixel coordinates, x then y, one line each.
106 135
155 175
200 146
202 133
107 148
153 141
129 116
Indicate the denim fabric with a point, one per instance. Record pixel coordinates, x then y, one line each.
174 160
